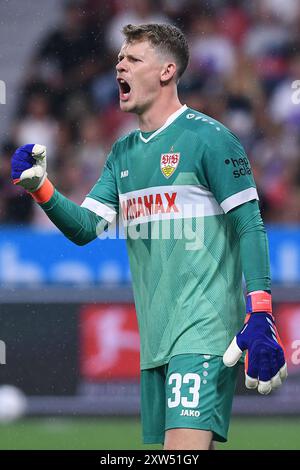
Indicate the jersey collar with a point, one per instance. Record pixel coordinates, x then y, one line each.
166 124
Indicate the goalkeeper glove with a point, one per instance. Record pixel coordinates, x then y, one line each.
28 169
265 365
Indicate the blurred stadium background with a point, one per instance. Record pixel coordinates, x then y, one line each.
69 340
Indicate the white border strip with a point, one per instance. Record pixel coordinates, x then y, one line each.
100 209
166 124
190 201
239 198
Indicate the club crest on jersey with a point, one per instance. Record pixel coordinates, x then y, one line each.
169 163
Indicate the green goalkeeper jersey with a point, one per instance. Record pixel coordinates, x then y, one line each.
172 189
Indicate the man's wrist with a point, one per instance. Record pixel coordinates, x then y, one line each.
44 192
259 301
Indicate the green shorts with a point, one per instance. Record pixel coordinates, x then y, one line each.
192 391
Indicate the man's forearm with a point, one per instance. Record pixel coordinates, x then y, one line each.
254 250
77 223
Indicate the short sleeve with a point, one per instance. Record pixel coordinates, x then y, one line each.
103 197
228 171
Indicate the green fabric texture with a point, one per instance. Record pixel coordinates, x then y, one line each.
188 287
254 249
81 226
78 224
186 267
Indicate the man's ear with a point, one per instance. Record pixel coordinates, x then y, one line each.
168 72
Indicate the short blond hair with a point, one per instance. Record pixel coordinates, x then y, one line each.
167 38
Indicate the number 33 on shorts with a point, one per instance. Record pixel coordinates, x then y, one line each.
193 391
190 379
199 394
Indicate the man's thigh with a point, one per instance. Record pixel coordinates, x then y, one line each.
192 392
188 439
199 394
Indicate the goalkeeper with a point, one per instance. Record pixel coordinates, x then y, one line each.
193 321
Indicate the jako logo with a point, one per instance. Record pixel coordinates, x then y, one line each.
2 353
241 166
2 92
195 413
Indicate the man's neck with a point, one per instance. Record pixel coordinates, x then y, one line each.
157 115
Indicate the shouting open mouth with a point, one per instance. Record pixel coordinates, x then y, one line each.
124 89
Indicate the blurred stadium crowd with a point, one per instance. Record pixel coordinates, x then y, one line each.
244 58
